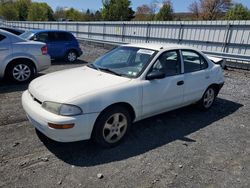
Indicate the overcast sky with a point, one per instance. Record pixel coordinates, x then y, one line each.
179 5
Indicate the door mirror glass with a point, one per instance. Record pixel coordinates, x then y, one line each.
156 74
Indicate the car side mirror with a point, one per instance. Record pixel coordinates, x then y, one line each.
155 75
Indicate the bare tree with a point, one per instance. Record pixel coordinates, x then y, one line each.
144 13
194 8
210 9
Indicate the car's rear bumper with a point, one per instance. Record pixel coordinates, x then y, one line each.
39 118
43 62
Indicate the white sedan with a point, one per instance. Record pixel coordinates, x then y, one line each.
128 84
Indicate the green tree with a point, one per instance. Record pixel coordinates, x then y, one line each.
238 12
117 10
98 16
74 15
40 12
8 10
22 7
59 13
166 12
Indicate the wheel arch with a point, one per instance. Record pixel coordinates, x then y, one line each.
216 87
21 59
125 105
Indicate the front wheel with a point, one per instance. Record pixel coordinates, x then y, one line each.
112 126
208 99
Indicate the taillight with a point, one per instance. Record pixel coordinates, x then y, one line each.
44 50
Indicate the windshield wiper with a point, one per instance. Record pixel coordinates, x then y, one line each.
109 71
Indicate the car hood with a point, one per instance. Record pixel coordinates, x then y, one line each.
64 86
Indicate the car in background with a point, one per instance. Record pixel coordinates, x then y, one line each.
61 44
20 59
13 30
128 84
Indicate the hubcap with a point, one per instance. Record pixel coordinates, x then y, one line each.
115 128
72 56
21 72
208 98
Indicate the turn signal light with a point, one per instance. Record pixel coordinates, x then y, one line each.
61 126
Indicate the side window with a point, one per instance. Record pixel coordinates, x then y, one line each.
52 37
2 37
61 36
169 63
43 37
193 61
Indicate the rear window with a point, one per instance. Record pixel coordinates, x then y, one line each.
27 35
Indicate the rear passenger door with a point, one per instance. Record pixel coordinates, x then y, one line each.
197 75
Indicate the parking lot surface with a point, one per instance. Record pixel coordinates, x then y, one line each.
182 148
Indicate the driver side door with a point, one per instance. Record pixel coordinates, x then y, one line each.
161 95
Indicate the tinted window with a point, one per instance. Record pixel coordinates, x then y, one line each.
193 61
59 36
43 37
63 36
2 37
168 62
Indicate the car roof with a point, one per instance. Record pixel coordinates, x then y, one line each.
159 46
47 30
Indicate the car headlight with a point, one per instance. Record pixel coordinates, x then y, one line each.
62 109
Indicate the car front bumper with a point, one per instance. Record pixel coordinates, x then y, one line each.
39 118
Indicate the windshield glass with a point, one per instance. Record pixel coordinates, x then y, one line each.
27 35
125 61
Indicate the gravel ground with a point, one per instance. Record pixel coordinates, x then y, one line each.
182 148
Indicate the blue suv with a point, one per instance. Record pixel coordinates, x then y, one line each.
61 44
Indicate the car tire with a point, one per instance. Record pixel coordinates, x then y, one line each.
111 127
21 72
71 56
207 99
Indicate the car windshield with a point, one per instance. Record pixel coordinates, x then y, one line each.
124 61
27 35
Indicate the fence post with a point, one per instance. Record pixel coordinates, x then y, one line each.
148 32
103 31
180 35
123 31
88 30
228 38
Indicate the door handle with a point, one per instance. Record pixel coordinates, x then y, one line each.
180 83
207 77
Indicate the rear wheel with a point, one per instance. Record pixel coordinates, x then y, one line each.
71 56
208 99
112 126
20 72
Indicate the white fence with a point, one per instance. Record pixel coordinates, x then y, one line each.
228 39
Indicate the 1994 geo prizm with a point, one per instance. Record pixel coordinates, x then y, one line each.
129 83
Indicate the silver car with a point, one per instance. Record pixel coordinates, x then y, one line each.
20 60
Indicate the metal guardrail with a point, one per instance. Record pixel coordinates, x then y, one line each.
226 39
